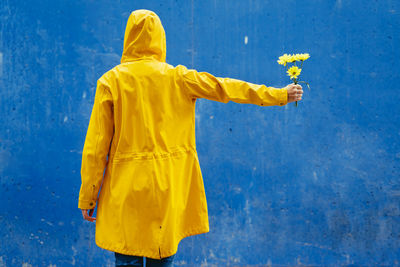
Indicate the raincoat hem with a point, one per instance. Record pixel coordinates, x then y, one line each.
156 254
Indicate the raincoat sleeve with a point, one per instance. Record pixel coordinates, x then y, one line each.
97 145
205 85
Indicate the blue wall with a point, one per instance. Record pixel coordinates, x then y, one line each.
315 185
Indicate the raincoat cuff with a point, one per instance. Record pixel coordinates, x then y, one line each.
86 204
282 96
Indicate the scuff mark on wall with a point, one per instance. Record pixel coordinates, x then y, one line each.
1 64
338 4
75 252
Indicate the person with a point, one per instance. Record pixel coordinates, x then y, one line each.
139 161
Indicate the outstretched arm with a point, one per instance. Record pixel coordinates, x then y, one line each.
204 85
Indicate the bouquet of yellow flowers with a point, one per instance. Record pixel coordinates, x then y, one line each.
294 71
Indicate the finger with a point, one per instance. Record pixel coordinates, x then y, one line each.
89 218
84 214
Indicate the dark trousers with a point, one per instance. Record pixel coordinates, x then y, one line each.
127 260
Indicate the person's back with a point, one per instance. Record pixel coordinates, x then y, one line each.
142 132
153 112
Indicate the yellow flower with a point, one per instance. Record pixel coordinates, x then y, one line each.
284 59
292 58
293 72
303 56
295 57
281 62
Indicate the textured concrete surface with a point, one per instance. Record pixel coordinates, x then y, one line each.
316 185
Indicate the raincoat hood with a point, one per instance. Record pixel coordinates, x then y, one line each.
144 37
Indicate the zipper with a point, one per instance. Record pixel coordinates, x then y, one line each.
159 251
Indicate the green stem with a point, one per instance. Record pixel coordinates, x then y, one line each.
308 85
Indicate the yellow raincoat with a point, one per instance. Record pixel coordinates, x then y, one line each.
142 133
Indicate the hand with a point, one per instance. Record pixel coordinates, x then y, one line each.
295 92
88 217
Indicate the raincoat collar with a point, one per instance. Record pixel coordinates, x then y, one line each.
144 37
